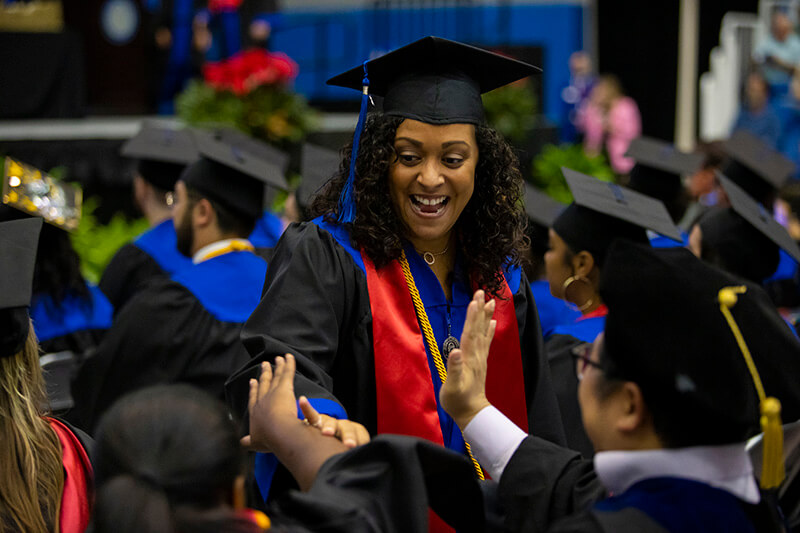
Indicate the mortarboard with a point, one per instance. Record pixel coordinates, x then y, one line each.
18 241
318 165
687 357
603 212
254 147
228 174
163 153
754 166
658 170
433 80
541 208
744 238
36 193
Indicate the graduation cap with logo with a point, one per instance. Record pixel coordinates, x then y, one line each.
318 165
35 193
541 208
433 80
19 241
745 238
603 212
754 166
162 154
233 176
711 354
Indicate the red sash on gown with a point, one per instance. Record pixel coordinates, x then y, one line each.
406 402
75 499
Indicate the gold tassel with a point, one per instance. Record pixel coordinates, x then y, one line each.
772 467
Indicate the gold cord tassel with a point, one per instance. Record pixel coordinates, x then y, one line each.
772 467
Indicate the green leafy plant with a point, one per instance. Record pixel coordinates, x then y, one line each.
96 243
511 110
547 168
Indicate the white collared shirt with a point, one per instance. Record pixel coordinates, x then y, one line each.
203 253
494 438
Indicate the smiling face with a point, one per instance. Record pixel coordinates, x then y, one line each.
432 179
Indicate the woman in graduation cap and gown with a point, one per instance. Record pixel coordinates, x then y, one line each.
46 474
579 239
371 295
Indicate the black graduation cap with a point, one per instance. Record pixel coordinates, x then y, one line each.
233 176
18 241
541 208
435 80
318 165
754 166
658 172
666 331
254 147
745 238
660 155
603 212
758 217
162 152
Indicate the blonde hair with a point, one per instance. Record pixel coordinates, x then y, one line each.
32 473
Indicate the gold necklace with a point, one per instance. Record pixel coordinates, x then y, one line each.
430 257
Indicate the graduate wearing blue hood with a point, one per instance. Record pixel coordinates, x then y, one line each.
579 239
186 329
68 313
161 154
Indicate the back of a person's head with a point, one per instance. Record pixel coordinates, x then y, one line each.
166 460
31 471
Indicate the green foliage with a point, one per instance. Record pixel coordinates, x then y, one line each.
511 110
269 112
96 244
547 168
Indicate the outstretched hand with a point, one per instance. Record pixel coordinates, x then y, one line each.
271 404
272 407
463 394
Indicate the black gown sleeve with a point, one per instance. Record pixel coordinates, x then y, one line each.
565 382
314 305
543 483
387 485
544 419
127 273
163 335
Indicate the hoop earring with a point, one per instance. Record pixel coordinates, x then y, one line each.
572 279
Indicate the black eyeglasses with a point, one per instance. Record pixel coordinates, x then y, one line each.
582 356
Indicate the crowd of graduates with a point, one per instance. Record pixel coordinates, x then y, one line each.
421 342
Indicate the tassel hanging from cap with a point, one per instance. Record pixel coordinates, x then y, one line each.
772 467
347 203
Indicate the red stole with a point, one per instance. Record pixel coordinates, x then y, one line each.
406 403
76 497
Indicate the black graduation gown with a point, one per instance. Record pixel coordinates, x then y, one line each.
316 306
548 488
183 330
386 485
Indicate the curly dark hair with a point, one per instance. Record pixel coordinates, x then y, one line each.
490 230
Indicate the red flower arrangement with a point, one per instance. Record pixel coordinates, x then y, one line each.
246 70
218 6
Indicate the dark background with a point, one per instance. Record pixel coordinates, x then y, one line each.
638 41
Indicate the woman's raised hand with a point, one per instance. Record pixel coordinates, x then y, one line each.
463 394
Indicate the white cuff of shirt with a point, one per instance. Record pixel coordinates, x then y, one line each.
493 439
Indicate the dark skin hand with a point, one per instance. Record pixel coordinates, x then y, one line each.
298 444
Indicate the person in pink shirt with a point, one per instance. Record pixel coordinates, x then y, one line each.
610 120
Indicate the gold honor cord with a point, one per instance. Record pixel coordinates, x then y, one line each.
430 340
238 245
772 468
